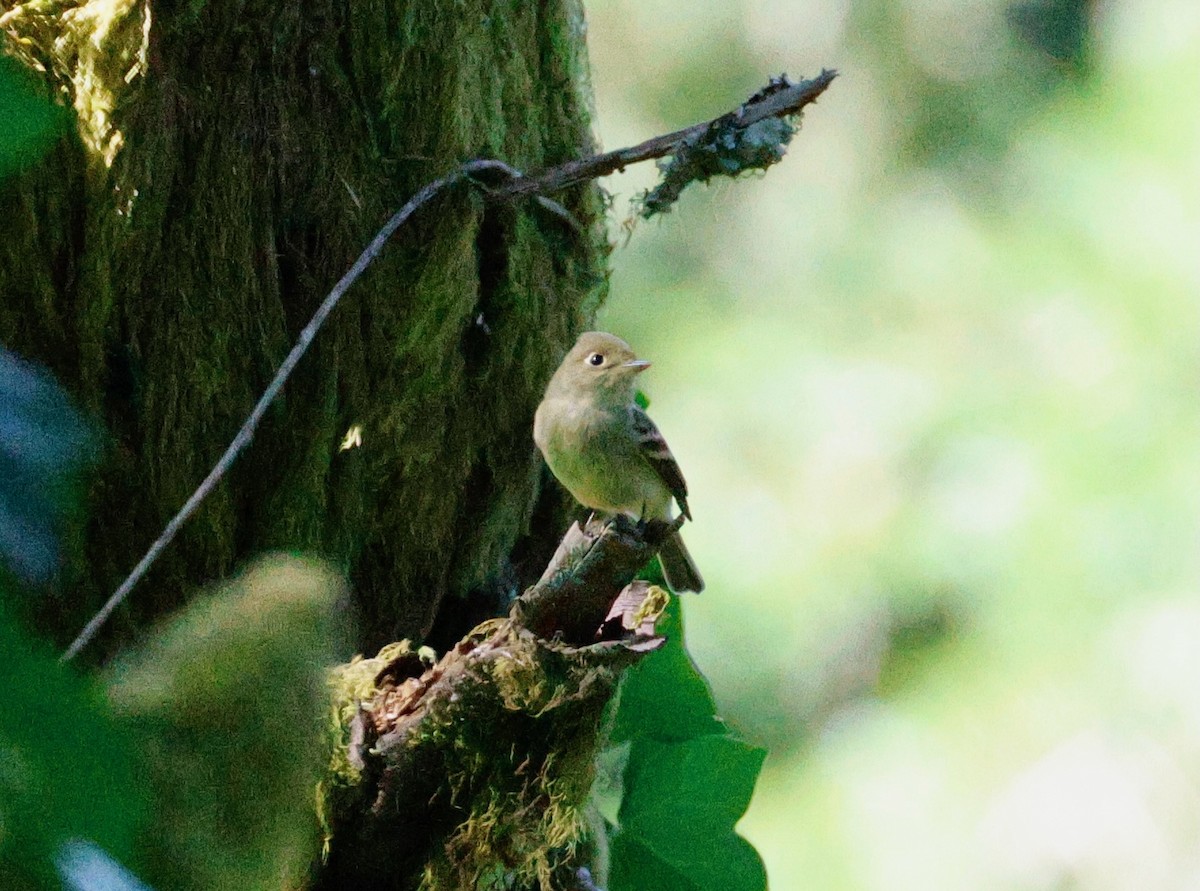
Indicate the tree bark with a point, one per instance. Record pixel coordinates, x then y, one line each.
227 164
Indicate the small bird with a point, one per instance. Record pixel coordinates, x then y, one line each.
606 451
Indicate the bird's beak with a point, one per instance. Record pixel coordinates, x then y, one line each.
636 364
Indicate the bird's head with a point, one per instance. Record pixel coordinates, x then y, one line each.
600 363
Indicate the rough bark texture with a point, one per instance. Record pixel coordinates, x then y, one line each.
229 161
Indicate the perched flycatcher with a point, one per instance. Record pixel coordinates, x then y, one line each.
606 450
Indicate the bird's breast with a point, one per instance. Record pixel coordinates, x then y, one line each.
595 456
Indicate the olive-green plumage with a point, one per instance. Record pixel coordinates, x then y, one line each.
606 451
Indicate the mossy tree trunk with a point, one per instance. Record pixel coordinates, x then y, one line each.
227 163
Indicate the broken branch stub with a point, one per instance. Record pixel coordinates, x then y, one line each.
585 576
483 762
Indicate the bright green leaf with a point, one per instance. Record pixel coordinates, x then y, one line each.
665 697
728 862
636 868
685 781
679 794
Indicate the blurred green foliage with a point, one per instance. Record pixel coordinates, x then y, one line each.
45 445
197 764
66 768
228 705
1059 28
932 381
28 122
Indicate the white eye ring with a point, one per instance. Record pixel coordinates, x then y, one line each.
596 359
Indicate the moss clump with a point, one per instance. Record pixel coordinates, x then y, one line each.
351 687
474 774
527 727
725 149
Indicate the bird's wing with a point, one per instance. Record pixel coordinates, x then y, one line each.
656 451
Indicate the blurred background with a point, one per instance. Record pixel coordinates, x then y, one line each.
934 382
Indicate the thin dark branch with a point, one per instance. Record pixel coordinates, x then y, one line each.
786 101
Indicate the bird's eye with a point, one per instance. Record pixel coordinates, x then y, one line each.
596 359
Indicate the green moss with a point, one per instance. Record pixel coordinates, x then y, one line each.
517 745
228 164
351 686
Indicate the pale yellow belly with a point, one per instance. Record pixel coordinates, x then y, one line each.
601 465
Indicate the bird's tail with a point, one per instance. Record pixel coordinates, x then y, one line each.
678 567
